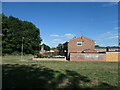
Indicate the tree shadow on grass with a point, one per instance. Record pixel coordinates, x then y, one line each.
106 86
26 76
74 79
37 76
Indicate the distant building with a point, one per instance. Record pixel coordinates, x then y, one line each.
107 49
79 44
42 51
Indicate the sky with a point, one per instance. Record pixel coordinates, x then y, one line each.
62 21
60 0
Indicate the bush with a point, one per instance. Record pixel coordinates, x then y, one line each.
16 53
40 56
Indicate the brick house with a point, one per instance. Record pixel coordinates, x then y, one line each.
83 49
79 44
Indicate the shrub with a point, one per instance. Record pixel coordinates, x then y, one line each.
16 53
40 56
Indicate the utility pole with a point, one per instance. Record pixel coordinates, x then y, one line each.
39 47
22 49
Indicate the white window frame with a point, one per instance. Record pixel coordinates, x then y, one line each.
78 43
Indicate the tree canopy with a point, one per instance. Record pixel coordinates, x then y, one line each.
97 46
58 45
46 47
15 32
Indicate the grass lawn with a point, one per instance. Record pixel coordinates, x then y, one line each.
19 73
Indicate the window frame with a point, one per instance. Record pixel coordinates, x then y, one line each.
78 43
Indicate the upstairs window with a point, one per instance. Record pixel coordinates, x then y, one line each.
79 43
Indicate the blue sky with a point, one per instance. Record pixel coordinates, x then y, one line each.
60 22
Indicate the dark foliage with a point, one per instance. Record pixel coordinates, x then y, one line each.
46 47
59 45
40 56
15 31
37 76
97 46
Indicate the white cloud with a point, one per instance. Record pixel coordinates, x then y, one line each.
110 4
117 28
60 38
102 44
107 38
113 37
55 35
69 36
108 35
108 32
56 40
113 44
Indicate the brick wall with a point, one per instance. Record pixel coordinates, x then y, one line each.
86 44
87 57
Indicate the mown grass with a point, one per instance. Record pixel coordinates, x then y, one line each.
15 59
19 73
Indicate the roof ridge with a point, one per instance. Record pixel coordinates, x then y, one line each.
82 36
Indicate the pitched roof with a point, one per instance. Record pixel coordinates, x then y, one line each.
82 36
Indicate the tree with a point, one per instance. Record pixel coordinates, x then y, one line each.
97 46
46 47
59 45
15 32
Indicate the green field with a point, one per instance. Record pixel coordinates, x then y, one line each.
19 73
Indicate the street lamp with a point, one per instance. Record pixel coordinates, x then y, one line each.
39 47
22 48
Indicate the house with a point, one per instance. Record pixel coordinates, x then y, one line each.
107 49
83 49
79 44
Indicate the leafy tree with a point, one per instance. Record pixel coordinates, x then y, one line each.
46 47
15 32
58 45
0 34
97 46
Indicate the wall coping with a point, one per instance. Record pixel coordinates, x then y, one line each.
88 53
113 52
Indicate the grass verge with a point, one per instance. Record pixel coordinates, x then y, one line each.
19 73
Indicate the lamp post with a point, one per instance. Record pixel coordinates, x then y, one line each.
22 49
39 47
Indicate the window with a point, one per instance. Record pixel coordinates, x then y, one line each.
79 43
